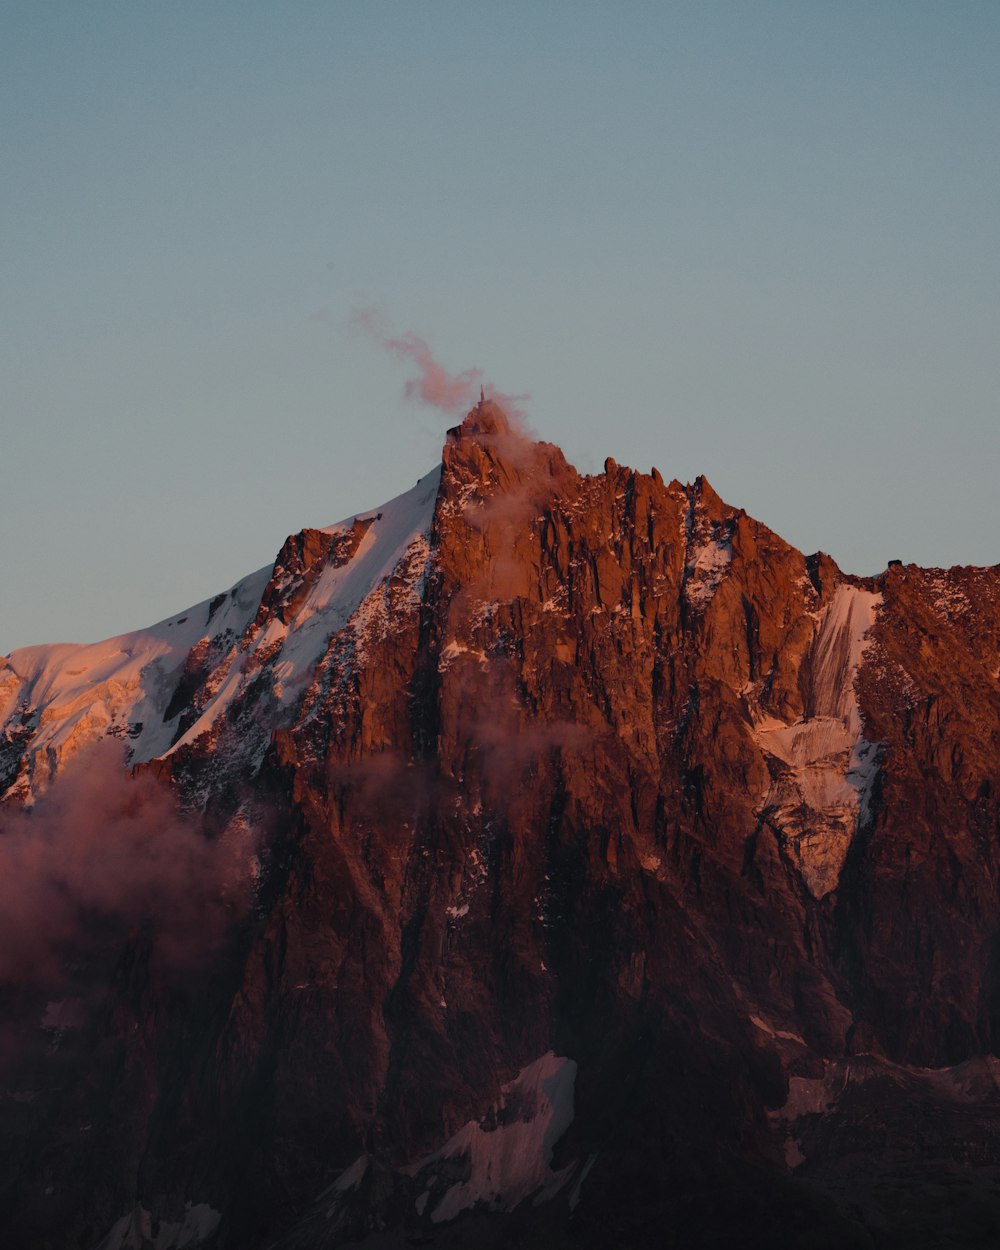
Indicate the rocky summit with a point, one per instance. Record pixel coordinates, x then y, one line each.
539 860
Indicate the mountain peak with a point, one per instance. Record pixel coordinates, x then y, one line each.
529 767
487 417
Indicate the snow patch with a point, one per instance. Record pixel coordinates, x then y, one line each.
65 1013
135 1230
709 550
453 649
826 770
352 1177
793 1153
509 1154
574 1193
764 1027
706 566
812 1095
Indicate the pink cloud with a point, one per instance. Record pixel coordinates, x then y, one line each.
102 853
432 383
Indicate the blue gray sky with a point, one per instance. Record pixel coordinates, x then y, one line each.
757 241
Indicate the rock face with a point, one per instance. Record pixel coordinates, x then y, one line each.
623 878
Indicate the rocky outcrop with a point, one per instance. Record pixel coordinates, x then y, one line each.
618 868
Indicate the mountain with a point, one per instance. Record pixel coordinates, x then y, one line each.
541 860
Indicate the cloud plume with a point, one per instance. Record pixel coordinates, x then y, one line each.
431 383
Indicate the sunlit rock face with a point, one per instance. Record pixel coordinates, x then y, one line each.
616 868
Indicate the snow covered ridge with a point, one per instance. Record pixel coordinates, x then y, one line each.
57 699
64 696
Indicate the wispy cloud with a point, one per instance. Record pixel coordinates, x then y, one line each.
432 384
101 853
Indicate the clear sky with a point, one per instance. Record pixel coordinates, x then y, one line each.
753 240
